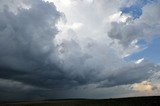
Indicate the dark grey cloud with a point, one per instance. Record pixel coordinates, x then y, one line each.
26 45
130 74
26 40
28 53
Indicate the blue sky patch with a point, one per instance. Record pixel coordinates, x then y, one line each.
152 52
136 9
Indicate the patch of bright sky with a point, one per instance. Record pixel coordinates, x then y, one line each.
152 52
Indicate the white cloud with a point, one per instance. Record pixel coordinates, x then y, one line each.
139 61
119 17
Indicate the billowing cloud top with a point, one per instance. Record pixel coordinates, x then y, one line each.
59 45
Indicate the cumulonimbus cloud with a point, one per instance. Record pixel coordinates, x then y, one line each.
39 50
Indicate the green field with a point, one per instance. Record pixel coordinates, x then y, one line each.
134 101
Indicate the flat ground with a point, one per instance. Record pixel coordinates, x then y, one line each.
134 101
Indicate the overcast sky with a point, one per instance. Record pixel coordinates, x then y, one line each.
55 49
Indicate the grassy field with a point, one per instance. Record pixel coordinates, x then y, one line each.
134 101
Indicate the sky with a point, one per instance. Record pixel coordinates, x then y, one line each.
58 49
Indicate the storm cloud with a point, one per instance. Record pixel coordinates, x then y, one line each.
45 50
